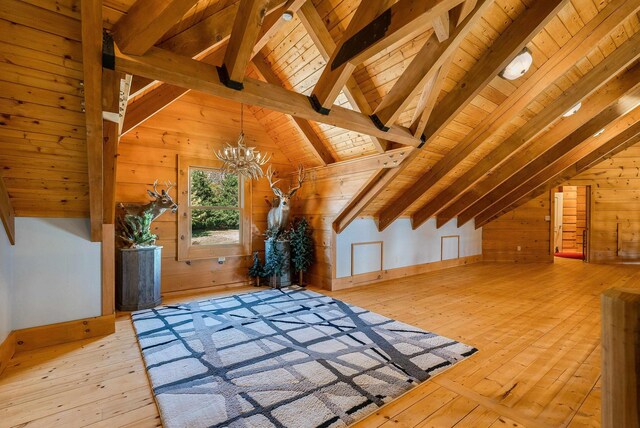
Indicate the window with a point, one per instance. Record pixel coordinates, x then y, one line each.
214 216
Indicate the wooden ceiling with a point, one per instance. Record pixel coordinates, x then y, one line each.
489 143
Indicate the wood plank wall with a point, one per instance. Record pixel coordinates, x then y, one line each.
524 227
196 125
615 217
569 217
42 126
324 195
615 209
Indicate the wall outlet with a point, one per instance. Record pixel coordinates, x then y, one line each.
519 248
547 218
221 260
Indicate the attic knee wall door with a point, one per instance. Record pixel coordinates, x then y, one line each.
404 246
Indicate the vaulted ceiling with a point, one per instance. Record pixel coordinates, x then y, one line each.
480 143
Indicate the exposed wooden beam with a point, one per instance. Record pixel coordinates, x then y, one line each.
7 215
314 141
564 169
376 25
323 40
463 10
576 48
502 51
188 73
91 13
369 191
428 98
441 27
111 141
244 35
590 82
146 22
165 94
424 67
611 102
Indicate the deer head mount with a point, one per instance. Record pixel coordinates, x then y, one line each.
160 203
278 216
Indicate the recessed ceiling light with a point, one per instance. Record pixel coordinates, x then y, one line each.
573 110
598 133
518 66
287 15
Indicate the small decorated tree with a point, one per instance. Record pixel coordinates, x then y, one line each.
256 270
274 265
302 254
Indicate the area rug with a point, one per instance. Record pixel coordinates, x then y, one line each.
282 358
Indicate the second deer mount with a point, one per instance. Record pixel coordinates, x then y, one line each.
280 212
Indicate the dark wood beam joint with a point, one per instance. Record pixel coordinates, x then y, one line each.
223 74
378 123
367 36
108 51
317 105
423 141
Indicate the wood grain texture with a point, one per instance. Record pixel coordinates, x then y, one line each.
7 350
545 376
7 214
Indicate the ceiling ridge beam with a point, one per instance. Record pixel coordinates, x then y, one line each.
628 52
146 22
375 26
7 214
424 66
556 66
611 101
323 40
195 75
313 140
563 170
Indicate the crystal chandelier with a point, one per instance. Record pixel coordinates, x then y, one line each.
240 159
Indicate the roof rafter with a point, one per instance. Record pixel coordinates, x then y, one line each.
425 65
244 35
588 84
610 102
376 25
188 73
164 95
577 47
323 40
563 170
146 22
307 132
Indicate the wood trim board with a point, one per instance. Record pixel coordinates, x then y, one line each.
442 238
7 349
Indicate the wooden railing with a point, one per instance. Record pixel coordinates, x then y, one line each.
621 358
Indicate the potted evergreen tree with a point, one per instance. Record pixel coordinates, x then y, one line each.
302 254
274 265
256 270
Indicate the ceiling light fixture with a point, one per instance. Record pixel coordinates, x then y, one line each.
240 159
597 134
518 66
287 15
573 110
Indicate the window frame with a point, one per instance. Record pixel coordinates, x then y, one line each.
186 251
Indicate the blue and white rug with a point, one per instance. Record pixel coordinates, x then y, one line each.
282 358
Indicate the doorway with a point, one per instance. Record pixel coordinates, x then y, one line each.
571 222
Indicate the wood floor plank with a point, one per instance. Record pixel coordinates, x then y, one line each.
537 328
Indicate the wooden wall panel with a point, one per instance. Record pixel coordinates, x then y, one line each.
569 217
42 132
524 227
194 126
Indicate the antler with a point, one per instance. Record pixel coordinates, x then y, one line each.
169 186
155 187
301 177
272 183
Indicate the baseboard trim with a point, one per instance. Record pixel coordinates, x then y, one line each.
403 272
7 349
55 334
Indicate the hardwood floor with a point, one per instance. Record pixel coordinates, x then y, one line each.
537 328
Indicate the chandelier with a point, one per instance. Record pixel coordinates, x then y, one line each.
240 159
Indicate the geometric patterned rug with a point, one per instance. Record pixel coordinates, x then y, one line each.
282 358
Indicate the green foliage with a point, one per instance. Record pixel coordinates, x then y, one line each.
256 270
302 248
274 265
136 230
212 188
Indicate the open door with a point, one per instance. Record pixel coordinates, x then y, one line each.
557 221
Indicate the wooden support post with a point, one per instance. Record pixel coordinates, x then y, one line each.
620 358
7 215
108 269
